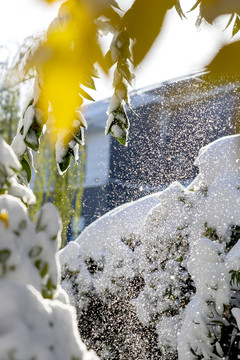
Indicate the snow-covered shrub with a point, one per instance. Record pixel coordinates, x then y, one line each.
162 265
101 285
36 320
10 180
101 277
205 218
178 274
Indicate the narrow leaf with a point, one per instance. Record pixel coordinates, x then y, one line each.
63 166
114 4
230 20
179 9
34 251
27 169
85 94
124 70
236 26
195 5
4 255
143 22
108 59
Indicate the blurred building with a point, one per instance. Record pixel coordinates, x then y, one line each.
170 122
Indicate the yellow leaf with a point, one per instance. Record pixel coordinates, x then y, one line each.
143 22
211 9
226 62
4 217
64 61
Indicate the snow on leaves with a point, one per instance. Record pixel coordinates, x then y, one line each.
180 271
12 180
36 320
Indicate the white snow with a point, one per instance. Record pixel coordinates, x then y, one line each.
18 145
115 102
101 241
31 326
181 251
28 119
10 167
9 160
236 314
121 221
109 123
81 119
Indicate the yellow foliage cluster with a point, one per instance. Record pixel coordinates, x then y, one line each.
66 59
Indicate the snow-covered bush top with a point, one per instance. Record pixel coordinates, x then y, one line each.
36 320
184 259
10 181
99 243
29 248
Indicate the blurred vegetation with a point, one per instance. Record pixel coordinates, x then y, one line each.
64 191
9 113
48 185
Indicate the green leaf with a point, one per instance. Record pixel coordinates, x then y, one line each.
31 141
114 4
94 73
89 82
4 255
230 20
33 135
39 225
179 9
123 139
26 167
119 132
42 267
54 238
195 5
121 117
219 322
180 259
143 22
235 277
36 127
50 285
48 289
108 59
79 138
44 270
38 264
35 251
22 225
236 26
123 68
85 94
63 166
122 42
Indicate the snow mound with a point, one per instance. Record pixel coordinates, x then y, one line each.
179 251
